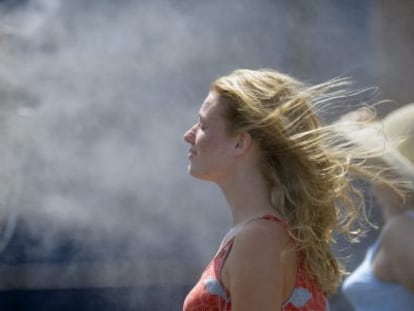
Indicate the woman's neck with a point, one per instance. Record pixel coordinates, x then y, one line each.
248 196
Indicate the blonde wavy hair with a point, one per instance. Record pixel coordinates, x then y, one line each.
308 166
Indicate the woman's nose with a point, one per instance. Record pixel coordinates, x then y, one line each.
189 135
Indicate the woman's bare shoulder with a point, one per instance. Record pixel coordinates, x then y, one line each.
259 271
262 236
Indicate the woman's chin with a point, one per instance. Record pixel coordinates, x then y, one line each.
195 173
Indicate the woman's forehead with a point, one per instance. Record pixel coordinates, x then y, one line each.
210 105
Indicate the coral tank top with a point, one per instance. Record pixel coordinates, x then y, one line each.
210 294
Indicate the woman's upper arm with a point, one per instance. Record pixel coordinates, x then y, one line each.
256 268
399 241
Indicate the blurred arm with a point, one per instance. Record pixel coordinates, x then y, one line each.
397 241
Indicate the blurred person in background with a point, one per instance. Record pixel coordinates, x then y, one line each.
288 186
385 279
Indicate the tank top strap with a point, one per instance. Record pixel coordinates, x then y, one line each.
221 257
282 221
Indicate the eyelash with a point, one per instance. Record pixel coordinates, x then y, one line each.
200 125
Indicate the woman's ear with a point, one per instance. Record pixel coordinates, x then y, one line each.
242 143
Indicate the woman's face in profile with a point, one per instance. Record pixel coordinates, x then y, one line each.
211 145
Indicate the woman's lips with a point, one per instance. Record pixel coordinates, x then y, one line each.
191 153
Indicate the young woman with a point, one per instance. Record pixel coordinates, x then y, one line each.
258 137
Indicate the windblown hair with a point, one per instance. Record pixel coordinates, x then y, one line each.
308 167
